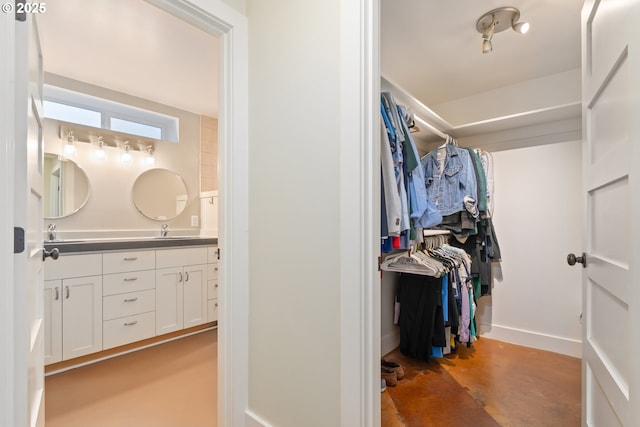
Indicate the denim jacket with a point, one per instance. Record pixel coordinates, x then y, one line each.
447 190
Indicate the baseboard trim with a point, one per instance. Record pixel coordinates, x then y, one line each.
255 421
390 342
532 339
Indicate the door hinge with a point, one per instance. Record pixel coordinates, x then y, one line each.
218 252
18 240
21 14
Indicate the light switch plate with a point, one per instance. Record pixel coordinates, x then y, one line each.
194 220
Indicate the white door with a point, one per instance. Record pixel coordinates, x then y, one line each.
611 166
81 316
169 303
29 295
52 321
195 295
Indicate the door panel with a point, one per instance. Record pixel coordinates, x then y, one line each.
610 63
29 302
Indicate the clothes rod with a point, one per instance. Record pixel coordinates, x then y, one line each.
431 127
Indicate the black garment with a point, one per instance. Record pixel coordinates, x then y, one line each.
421 317
454 314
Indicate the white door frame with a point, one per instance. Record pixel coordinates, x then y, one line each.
360 213
230 26
7 155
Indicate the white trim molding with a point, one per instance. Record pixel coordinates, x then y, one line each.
359 214
230 26
567 346
7 193
255 421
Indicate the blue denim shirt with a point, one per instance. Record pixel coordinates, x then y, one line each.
448 189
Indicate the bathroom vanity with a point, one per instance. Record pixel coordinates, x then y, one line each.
109 294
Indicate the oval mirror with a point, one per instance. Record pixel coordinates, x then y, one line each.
65 187
160 194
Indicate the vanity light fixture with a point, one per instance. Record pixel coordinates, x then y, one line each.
126 157
150 160
498 20
100 154
69 149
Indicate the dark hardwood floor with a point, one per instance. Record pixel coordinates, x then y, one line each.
489 384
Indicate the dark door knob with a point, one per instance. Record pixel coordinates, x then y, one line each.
572 259
53 253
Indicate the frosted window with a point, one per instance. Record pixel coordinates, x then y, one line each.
136 128
71 114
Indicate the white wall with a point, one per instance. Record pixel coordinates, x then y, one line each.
531 95
110 209
537 218
294 134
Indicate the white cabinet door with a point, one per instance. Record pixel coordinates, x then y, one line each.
169 300
195 295
81 316
52 321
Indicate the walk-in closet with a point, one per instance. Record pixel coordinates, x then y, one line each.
481 140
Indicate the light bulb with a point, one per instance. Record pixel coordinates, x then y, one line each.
99 153
126 157
521 27
486 46
69 149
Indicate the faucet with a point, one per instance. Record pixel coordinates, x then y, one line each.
163 230
51 232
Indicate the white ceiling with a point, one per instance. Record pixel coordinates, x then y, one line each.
431 49
133 47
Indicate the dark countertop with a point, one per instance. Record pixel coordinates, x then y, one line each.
98 245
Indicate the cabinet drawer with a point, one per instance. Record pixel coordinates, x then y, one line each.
180 257
68 266
128 329
120 283
212 310
212 289
120 262
122 305
212 271
212 254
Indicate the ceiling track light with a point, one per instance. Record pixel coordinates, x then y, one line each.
498 20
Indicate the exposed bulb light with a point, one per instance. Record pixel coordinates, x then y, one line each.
126 157
521 27
99 153
498 20
486 45
150 160
69 149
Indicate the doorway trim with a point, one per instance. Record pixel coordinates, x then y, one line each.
360 213
7 193
230 26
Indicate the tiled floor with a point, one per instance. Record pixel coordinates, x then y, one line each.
490 384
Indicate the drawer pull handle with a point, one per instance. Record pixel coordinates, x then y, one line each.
68 292
187 275
179 277
216 269
130 279
131 299
133 258
57 293
216 304
216 286
131 323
